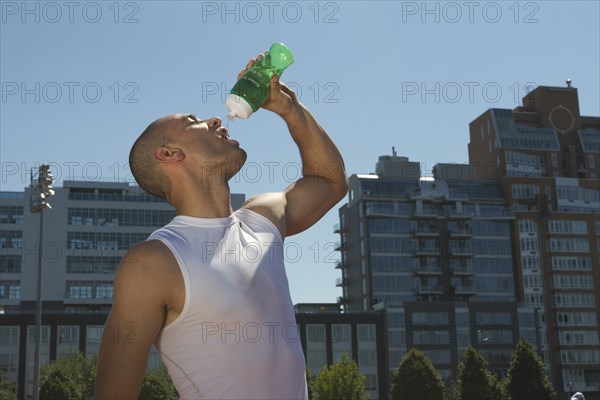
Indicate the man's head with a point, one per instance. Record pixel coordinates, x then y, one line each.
183 144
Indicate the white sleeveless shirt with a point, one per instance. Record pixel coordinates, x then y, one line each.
236 337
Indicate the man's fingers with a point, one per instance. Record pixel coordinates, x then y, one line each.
242 72
285 89
250 64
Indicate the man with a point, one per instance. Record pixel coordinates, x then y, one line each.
209 289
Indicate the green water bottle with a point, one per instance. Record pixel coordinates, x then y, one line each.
252 90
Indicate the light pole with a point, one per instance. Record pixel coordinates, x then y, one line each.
570 388
39 191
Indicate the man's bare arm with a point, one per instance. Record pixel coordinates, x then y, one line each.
324 181
134 322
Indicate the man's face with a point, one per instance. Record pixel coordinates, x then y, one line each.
205 143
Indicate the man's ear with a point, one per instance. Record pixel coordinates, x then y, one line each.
168 154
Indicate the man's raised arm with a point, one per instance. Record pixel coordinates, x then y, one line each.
324 181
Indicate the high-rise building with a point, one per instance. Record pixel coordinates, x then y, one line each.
436 254
503 248
546 156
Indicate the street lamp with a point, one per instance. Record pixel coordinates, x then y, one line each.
40 190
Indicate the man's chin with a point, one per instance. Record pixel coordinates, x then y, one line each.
237 166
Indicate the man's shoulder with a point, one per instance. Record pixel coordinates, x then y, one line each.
269 205
146 260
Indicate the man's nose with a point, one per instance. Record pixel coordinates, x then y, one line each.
214 122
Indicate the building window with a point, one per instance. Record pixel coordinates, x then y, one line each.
93 336
493 335
89 290
11 215
316 353
92 265
104 292
80 292
430 318
104 240
438 356
571 263
10 289
532 281
522 191
576 318
569 245
503 318
341 338
575 300
370 382
527 226
10 264
570 227
118 217
587 356
68 339
529 244
366 332
427 337
367 358
11 239
530 263
573 281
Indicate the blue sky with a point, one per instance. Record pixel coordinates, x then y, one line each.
80 81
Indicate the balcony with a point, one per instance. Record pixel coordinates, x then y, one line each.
469 290
337 228
463 270
426 231
497 213
459 215
464 287
341 282
340 265
342 300
428 213
380 210
465 233
428 270
429 289
463 252
427 252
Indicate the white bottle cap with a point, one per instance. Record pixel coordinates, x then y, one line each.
238 107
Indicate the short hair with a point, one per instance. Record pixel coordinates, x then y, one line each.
143 164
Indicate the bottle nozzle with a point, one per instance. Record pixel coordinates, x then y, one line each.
231 116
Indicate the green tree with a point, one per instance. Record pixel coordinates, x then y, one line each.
310 381
71 377
341 380
416 378
7 388
475 381
527 378
158 385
